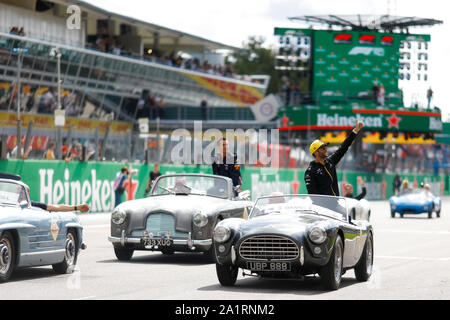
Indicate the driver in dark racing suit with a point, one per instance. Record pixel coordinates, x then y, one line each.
230 169
320 177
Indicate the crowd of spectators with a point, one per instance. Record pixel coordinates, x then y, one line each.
33 99
149 106
112 44
16 31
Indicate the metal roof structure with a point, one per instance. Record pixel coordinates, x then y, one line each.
164 33
386 23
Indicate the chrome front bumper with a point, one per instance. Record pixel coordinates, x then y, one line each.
191 244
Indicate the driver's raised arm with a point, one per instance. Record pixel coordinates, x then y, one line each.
337 156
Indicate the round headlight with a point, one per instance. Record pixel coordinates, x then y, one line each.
317 235
393 206
221 234
118 216
200 219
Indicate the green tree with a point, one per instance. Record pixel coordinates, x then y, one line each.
254 59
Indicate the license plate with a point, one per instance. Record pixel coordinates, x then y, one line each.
159 242
269 266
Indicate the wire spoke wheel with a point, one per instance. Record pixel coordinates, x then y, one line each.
70 249
5 256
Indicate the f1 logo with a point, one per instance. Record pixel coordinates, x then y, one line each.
367 51
73 22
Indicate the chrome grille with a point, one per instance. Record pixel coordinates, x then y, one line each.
161 223
268 248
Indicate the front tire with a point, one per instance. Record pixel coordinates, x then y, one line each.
70 255
211 254
392 214
331 274
363 269
7 256
123 254
227 274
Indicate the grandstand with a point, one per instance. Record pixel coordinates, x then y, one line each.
113 68
112 59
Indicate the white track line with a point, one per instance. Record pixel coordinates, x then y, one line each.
96 226
441 232
413 258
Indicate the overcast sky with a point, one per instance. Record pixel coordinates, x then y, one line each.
233 21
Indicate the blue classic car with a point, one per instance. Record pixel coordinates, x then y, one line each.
415 201
31 236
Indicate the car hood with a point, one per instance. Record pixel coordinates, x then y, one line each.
181 206
292 225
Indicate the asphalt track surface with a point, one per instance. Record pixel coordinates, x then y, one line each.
412 261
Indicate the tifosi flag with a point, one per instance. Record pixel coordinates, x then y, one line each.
266 109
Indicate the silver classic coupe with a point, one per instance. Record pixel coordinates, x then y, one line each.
179 215
30 236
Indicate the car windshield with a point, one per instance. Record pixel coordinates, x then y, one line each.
334 207
192 184
12 193
411 191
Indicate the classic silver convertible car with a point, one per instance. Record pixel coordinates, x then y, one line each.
31 236
291 236
179 215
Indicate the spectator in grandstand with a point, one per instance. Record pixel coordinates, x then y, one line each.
287 92
14 30
429 96
381 94
3 97
151 106
77 152
50 153
153 175
196 65
118 186
66 152
47 103
160 108
204 109
397 183
375 92
21 32
348 190
295 94
321 177
31 99
23 155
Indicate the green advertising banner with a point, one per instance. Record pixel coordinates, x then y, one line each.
293 32
350 61
73 183
300 117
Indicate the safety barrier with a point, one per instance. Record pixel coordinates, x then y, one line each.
92 182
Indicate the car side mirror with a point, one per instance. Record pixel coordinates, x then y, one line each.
23 204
